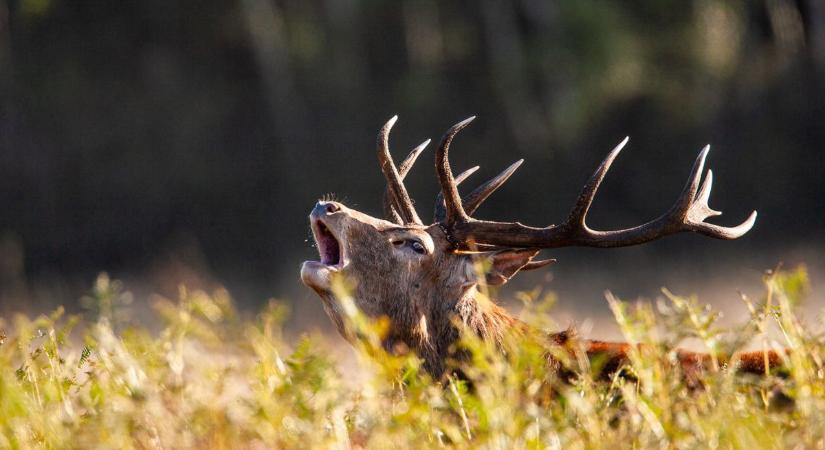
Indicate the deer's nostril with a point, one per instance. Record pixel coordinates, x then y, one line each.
323 208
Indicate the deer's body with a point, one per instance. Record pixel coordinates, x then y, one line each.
424 278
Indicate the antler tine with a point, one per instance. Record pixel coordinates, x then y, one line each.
408 162
399 194
688 195
694 205
479 194
440 211
391 210
579 212
452 199
704 194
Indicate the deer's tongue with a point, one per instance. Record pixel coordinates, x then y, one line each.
329 248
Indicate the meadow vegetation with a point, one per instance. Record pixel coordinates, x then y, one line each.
211 378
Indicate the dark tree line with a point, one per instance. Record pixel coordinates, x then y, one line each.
132 130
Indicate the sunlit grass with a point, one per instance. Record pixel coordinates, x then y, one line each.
210 379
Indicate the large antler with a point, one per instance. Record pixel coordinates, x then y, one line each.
687 214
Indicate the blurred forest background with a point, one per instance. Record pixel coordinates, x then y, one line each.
173 141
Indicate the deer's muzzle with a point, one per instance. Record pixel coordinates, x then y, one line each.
316 274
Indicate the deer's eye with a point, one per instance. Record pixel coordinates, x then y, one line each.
413 244
418 247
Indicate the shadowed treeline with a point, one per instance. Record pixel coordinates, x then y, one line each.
167 140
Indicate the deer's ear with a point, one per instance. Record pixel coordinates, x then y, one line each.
500 266
507 263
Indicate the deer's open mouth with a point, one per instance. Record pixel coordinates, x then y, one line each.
329 247
332 255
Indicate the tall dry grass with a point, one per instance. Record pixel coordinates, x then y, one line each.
211 379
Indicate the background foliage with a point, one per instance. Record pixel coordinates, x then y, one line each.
154 137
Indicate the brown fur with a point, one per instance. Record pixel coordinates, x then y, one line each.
424 294
614 355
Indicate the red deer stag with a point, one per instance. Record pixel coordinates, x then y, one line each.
424 277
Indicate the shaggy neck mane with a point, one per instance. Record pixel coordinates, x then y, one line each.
474 312
488 320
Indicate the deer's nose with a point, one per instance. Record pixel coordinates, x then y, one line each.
323 208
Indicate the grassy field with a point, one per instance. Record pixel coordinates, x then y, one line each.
211 379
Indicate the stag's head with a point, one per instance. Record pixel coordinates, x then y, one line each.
398 267
421 277
393 269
